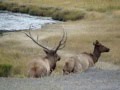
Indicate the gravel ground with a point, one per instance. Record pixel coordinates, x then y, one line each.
93 79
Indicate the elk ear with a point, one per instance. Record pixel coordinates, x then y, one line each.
96 42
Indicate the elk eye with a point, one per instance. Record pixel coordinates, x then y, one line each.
59 58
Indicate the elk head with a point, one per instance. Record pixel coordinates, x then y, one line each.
51 54
98 49
101 48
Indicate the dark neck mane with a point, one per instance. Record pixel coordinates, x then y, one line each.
95 55
52 63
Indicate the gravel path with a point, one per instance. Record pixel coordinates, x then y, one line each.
93 79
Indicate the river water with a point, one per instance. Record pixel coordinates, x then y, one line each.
16 21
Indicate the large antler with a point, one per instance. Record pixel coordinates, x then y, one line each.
62 42
35 41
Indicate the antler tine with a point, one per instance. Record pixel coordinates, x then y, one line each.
62 42
35 41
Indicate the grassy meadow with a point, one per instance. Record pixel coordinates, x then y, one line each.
90 5
101 22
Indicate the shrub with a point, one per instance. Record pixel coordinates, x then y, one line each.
35 11
74 15
1 33
23 9
2 6
5 70
60 14
48 11
15 9
64 15
10 6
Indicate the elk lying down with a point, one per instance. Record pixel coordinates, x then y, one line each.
83 61
44 66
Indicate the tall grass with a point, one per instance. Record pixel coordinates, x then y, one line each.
94 5
12 53
5 70
18 50
55 13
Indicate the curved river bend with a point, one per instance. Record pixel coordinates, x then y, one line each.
16 21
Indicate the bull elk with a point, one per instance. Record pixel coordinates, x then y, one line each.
85 60
44 66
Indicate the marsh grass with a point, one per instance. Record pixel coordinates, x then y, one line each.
55 13
90 5
61 10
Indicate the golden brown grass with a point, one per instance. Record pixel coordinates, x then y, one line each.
97 5
82 34
19 50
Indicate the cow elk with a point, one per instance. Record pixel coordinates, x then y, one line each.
85 60
44 66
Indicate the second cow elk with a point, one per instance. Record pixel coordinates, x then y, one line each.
44 66
83 61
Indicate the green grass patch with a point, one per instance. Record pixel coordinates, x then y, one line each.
5 70
1 33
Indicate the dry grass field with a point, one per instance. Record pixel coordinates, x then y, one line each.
19 50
